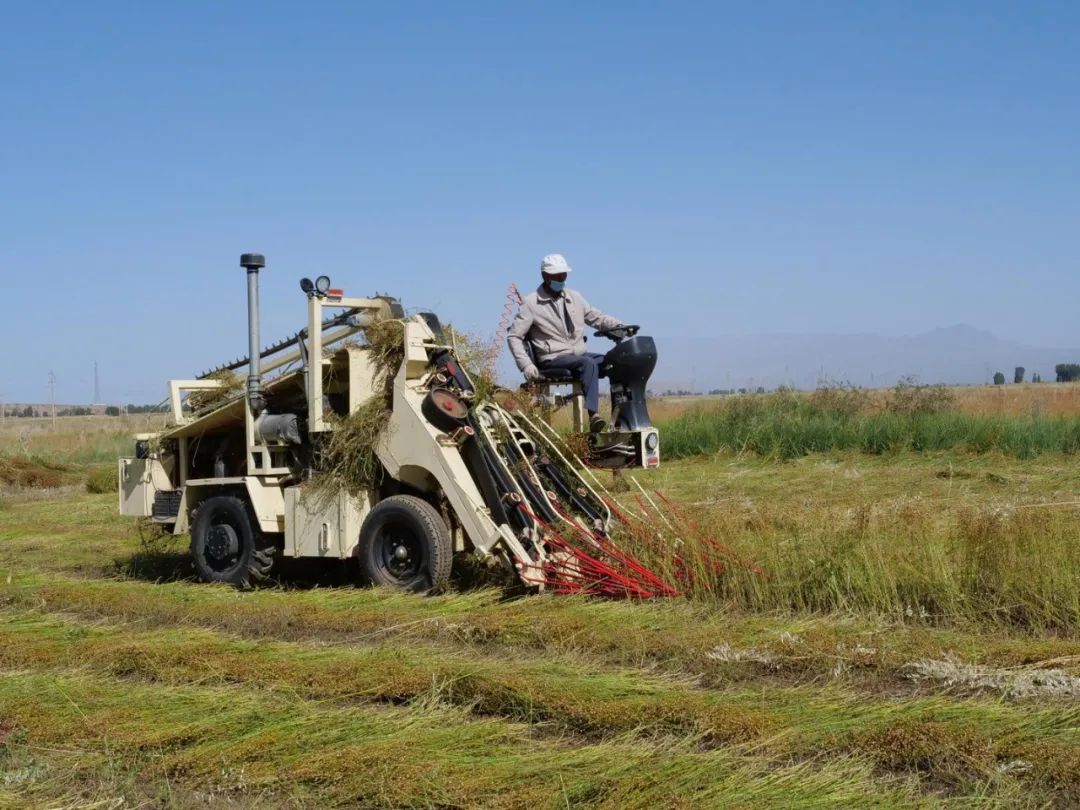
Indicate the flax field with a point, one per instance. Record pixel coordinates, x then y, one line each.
890 627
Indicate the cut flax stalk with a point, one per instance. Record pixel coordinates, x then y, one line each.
347 458
231 384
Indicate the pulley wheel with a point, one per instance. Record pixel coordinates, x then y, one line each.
445 409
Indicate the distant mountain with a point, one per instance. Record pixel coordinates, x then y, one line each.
959 355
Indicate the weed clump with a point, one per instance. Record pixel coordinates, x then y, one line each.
102 480
1055 766
947 751
386 347
909 398
840 399
347 458
477 355
25 472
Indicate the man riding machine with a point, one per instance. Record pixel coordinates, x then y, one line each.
547 340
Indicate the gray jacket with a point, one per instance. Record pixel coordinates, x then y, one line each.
542 321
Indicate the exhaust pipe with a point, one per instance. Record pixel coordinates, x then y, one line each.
253 262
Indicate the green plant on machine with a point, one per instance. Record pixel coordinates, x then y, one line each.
231 386
346 458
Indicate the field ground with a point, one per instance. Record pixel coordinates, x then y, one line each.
910 641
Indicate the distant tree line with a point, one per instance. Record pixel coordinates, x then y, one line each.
1067 372
26 411
29 411
76 411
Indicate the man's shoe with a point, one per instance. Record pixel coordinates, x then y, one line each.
596 423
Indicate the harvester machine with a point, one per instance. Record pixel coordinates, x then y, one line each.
243 467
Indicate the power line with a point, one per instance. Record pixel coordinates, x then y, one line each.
52 396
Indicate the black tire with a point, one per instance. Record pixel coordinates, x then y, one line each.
405 543
227 545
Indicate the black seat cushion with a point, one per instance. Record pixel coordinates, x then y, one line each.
548 374
552 375
556 374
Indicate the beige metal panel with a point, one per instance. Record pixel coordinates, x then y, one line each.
320 525
412 442
268 502
139 479
302 517
361 377
197 490
418 337
264 493
353 510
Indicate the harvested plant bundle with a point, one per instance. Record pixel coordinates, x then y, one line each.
231 384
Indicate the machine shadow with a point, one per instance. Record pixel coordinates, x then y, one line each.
164 558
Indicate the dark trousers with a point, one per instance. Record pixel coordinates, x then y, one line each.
586 369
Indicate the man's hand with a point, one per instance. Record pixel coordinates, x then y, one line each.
532 373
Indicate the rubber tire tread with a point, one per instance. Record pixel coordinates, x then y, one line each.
430 525
257 557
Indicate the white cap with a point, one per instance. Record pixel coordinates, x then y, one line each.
553 264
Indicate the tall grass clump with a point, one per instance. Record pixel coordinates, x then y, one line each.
75 440
101 480
1004 567
913 417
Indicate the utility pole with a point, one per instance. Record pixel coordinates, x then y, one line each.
97 388
52 397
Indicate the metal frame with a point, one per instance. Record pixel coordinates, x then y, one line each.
412 450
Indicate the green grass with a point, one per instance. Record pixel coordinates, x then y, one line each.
878 659
789 426
999 565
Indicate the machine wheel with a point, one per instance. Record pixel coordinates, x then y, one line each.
405 543
227 544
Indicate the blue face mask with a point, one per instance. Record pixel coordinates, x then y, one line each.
556 286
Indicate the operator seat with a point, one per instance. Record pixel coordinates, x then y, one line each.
552 377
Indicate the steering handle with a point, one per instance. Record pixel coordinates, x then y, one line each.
617 333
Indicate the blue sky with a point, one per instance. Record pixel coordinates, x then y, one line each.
707 168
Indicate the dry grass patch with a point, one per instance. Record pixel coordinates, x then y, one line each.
31 472
949 752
